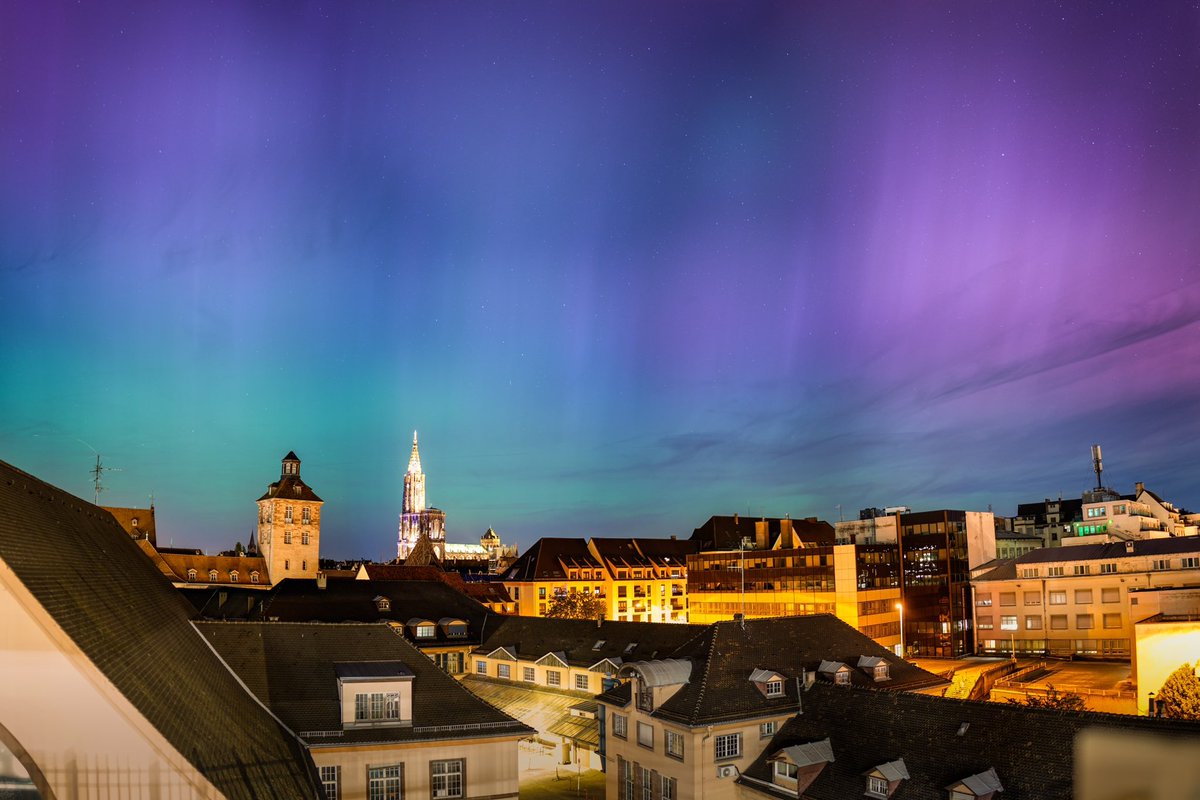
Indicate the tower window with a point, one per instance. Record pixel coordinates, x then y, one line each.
306 515
304 538
287 564
287 514
287 536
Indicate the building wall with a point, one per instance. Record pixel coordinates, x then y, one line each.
296 559
662 598
490 768
1160 649
82 734
570 678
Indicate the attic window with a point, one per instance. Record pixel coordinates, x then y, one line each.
629 648
882 672
297 487
774 688
254 577
212 576
599 643
133 522
233 576
191 574
426 631
383 604
842 677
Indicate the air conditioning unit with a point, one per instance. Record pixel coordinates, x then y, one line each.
727 771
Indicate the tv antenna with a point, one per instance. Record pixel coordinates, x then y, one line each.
98 471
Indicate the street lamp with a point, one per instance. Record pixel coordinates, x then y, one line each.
900 608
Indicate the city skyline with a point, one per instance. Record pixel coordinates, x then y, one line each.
622 268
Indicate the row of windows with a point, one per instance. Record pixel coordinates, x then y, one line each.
1056 597
234 576
287 537
636 781
725 746
1058 622
376 706
529 675
264 515
447 779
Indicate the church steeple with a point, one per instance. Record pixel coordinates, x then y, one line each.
414 460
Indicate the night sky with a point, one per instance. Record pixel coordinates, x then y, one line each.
623 265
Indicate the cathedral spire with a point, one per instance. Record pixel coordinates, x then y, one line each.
414 460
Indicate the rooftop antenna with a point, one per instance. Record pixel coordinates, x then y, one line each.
97 471
839 508
1097 465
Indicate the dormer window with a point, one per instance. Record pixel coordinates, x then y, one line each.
212 576
629 648
599 643
425 630
375 693
885 778
774 688
254 577
233 576
768 682
876 667
191 574
836 671
796 767
133 522
982 786
785 772
382 603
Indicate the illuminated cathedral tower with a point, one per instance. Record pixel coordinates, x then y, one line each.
415 518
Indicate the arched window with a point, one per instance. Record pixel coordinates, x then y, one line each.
212 576
191 574
254 577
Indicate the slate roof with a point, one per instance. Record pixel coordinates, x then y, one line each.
534 637
725 654
545 559
92 578
1030 749
292 668
224 565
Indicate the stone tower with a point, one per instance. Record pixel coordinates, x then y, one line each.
415 517
289 525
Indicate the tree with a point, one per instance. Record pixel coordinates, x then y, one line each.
574 605
1179 696
1061 702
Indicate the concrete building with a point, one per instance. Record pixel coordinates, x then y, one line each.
1081 600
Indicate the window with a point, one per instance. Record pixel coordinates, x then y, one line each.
785 771
1093 513
1008 623
541 593
728 745
622 591
842 677
674 744
1108 569
304 537
233 576
1083 595
877 787
529 674
1160 563
287 563
329 781
191 574
426 631
446 778
1192 562
645 698
645 734
212 576
306 518
1082 569
984 623
1110 595
1058 622
620 726
553 677
385 783
1029 572
502 671
1112 620
956 795
581 682
1033 598
254 577
766 729
983 600
1084 622
481 668
774 688
287 515
304 565
1058 598
670 788
1033 623
647 784
287 537
1055 572
1008 598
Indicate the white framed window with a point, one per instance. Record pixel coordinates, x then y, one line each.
581 682
233 576
1008 623
1160 564
481 668
426 631
330 781
191 574
1055 572
727 745
627 780
669 788
785 771
287 514
553 677
620 726
304 537
446 778
1082 569
647 784
254 577
1058 598
1108 569
842 677
529 674
766 729
877 787
673 743
212 576
502 671
287 537
306 517
385 783
1191 562
774 688
645 733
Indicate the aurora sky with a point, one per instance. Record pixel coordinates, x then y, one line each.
622 265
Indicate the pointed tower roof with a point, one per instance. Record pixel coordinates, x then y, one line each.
414 460
423 554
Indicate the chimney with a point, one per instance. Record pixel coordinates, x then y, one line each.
1129 548
1138 488
762 538
785 534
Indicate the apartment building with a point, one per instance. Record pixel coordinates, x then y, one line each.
1080 600
638 580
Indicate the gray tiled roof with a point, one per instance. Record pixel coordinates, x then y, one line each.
1031 750
292 668
112 601
577 639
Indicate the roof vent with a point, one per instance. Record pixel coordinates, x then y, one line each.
962 729
1129 547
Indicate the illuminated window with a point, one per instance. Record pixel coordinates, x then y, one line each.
330 780
529 674
233 576
502 671
1008 623
1058 598
877 787
774 688
254 577
727 745
385 783
191 574
1033 623
212 575
446 778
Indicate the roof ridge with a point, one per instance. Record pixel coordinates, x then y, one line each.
712 644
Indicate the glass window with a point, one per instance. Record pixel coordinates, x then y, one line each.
1008 623
553 677
385 783
1008 598
1033 623
877 787
785 771
528 674
1110 595
774 688
426 631
481 667
727 745
645 734
304 538
985 623
670 788
1058 598
502 670
1112 620
330 778
1033 598
581 682
674 743
446 778
1084 622
620 725
647 784
1058 622
1083 595
1107 569
766 729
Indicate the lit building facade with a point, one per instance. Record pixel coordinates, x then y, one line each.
415 517
289 526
